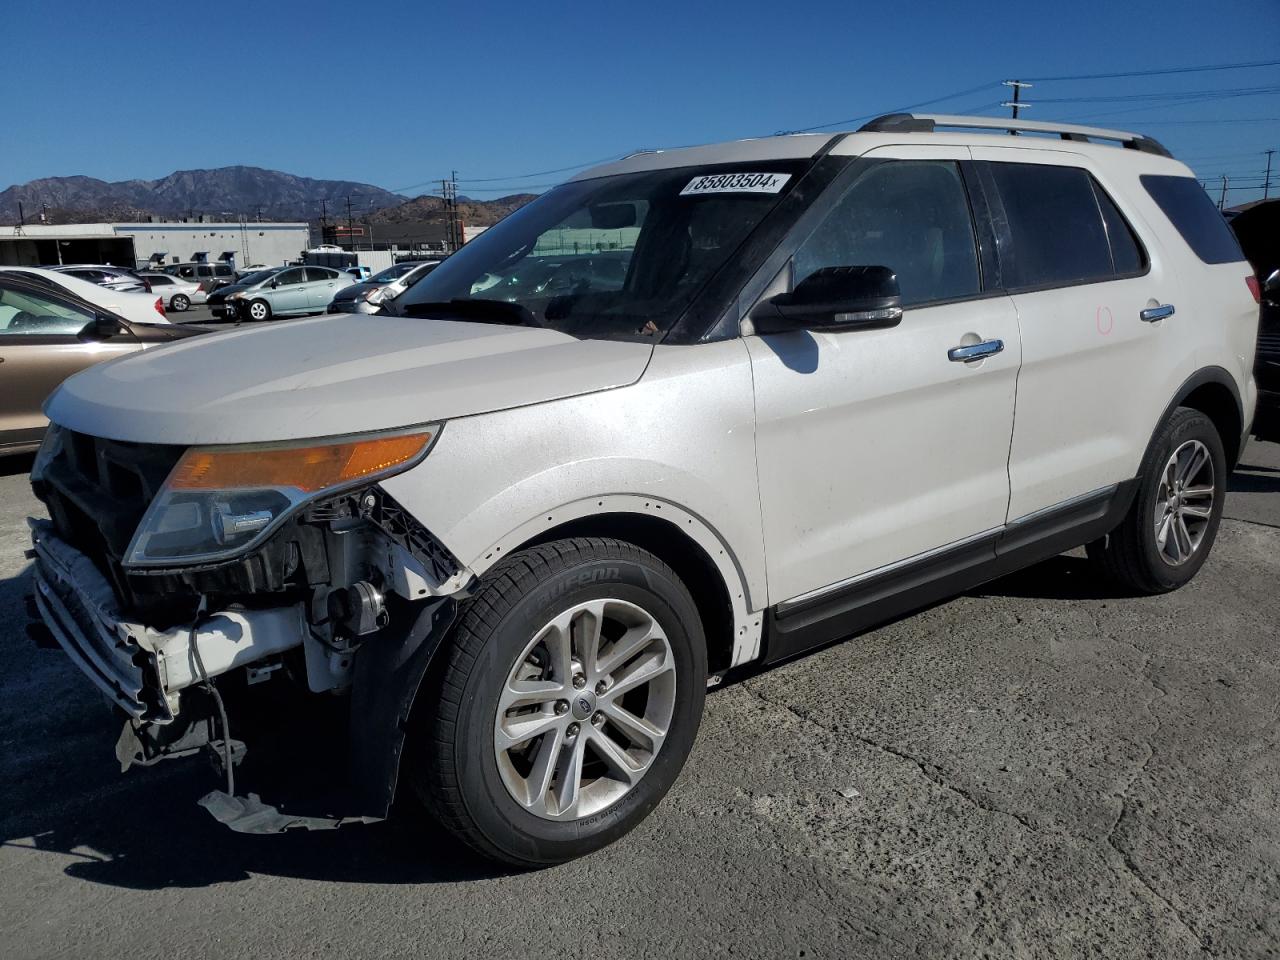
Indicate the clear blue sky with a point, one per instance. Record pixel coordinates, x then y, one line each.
399 94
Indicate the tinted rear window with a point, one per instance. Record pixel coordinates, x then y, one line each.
1186 204
1058 234
1126 252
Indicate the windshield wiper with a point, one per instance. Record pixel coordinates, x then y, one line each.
480 311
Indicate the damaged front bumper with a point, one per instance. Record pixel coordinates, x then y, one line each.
141 669
148 674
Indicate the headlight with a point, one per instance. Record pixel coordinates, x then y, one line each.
375 295
220 501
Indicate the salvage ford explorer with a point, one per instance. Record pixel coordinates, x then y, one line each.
689 411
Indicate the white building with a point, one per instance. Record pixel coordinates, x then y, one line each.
138 244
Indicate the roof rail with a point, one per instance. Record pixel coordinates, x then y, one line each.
929 122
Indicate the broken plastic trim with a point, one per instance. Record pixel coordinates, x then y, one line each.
250 815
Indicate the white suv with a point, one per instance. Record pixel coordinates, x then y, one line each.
779 391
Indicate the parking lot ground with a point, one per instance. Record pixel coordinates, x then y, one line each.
1040 768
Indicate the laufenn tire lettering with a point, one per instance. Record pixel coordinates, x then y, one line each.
584 579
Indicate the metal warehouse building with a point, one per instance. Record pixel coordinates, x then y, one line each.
138 244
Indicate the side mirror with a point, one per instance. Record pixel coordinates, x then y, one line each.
834 298
101 328
274 283
613 216
1272 283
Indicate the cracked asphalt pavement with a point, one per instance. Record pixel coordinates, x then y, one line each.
1040 768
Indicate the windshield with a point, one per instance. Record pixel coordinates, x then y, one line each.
391 273
619 257
251 279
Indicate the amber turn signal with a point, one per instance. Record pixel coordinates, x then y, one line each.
309 469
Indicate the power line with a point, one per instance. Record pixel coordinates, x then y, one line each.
907 108
1216 120
1181 95
542 173
1158 73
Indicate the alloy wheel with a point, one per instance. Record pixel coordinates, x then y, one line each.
585 709
1184 502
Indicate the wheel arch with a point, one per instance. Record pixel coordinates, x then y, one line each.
1213 392
680 539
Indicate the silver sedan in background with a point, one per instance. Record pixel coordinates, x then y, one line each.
105 275
368 296
178 294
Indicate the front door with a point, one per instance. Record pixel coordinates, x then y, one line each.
876 446
40 346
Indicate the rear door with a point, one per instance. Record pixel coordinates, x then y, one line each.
322 284
1098 362
40 346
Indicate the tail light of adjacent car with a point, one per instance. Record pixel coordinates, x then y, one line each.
1254 287
160 306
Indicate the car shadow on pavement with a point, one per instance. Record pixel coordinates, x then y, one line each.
1254 479
12 464
62 792
1063 577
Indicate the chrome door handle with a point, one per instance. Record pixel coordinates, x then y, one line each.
975 351
1152 314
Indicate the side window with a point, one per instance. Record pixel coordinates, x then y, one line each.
289 277
1127 255
29 314
320 273
221 270
160 280
1186 204
909 215
1058 235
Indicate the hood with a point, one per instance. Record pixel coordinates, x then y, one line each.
332 375
353 291
229 288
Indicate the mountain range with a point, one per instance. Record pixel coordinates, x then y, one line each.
227 193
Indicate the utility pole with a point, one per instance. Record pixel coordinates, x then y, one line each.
1266 184
350 224
1016 103
1222 199
453 228
457 220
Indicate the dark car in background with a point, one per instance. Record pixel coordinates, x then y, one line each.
369 295
113 278
46 335
1258 230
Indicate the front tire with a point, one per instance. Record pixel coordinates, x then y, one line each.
258 310
1169 530
570 698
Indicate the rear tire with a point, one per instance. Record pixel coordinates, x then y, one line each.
1169 530
258 310
180 302
570 697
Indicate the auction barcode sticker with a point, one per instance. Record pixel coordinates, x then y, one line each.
736 183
